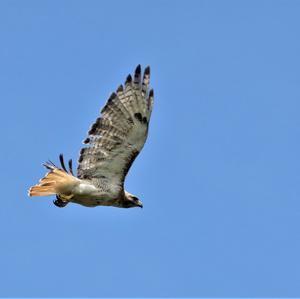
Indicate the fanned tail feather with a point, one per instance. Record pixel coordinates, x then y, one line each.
57 181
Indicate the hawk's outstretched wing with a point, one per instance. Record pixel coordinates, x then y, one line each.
119 134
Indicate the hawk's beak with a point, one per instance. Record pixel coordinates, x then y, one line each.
140 204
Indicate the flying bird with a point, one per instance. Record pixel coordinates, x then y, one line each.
114 141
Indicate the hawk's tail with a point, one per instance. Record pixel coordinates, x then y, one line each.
57 181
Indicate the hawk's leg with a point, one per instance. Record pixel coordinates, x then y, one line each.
59 202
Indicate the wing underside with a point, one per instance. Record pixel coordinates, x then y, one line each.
119 134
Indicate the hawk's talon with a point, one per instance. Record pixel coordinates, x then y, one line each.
59 202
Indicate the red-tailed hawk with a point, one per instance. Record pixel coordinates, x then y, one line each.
113 143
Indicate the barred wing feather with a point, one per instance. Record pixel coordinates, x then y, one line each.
119 134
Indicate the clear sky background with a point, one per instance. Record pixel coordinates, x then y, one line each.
219 175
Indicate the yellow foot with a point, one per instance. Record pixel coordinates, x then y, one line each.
66 197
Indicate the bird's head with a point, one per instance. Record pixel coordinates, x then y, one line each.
131 201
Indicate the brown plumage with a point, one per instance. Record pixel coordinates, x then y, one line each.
115 139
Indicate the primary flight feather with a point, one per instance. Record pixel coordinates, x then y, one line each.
113 143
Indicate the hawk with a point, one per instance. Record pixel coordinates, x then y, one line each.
114 141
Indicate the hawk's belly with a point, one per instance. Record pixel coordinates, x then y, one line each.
89 195
92 201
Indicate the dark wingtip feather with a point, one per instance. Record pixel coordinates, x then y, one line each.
128 79
120 88
147 70
151 93
112 96
138 70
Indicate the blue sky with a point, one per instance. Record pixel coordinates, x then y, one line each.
219 175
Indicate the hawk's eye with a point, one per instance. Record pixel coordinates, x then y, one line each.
135 198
